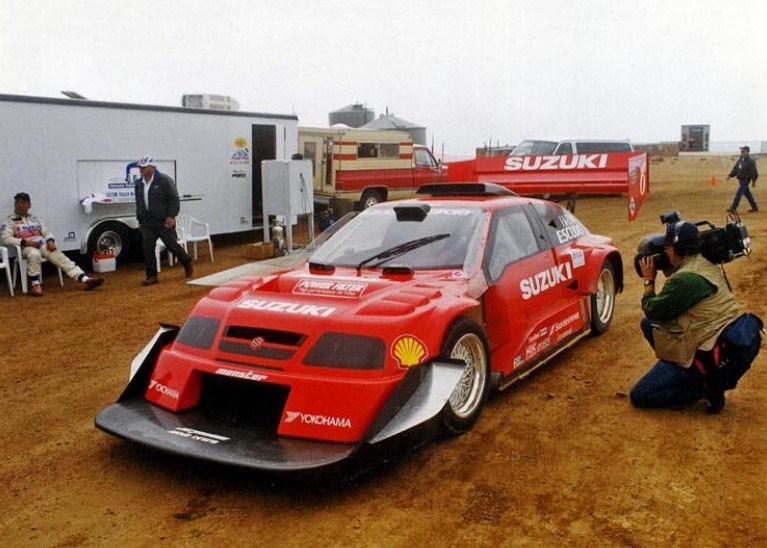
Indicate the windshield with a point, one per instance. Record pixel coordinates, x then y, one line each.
452 236
534 148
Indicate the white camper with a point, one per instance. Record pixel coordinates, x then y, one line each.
74 158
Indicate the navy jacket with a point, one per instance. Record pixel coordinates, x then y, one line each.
163 199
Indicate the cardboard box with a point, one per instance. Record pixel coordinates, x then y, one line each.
259 251
104 263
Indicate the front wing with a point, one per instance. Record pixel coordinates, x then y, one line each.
410 418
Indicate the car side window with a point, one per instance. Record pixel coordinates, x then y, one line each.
561 225
512 239
564 149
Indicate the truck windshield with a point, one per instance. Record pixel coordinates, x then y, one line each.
534 148
377 230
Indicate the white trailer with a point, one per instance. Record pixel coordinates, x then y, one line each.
74 158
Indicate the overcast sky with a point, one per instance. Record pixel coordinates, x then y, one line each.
467 71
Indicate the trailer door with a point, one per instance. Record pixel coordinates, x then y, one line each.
264 148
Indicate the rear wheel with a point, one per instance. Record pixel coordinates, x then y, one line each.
371 198
112 237
603 301
466 341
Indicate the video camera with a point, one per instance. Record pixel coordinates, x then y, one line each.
717 244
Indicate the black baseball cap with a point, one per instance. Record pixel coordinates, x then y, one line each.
683 234
746 148
22 196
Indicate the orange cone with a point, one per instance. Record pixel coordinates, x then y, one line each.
713 180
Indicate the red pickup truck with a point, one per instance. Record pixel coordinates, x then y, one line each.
358 168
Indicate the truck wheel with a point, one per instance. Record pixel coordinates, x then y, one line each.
603 301
114 237
371 198
465 340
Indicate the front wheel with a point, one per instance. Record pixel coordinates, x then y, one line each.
466 341
603 301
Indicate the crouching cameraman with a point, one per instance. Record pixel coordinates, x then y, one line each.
682 323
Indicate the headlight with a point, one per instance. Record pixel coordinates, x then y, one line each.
343 351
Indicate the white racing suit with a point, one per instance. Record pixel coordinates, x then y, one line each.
30 228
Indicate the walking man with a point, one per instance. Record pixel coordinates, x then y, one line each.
745 171
157 206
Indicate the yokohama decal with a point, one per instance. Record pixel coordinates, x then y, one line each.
318 420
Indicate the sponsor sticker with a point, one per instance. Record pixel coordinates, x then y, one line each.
163 389
578 257
543 281
541 163
288 308
330 288
198 435
317 420
245 375
408 350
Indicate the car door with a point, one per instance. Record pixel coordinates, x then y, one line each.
563 229
518 264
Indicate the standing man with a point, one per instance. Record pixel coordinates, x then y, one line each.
36 241
745 171
157 206
682 323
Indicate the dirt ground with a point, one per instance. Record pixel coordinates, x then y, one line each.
559 459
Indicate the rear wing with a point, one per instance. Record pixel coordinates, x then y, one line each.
609 173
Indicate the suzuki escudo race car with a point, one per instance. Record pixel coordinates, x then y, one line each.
394 330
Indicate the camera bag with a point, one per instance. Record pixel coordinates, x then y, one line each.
739 345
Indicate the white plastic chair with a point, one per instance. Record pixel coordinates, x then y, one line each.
5 263
21 269
196 231
159 247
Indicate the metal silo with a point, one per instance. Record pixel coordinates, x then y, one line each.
389 121
355 115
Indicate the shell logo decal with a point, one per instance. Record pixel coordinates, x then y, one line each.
408 351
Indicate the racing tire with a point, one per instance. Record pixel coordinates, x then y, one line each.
603 301
112 235
371 198
465 340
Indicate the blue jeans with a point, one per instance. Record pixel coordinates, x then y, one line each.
744 190
666 384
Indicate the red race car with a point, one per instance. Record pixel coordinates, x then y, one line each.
393 330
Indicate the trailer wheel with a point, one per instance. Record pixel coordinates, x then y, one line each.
371 198
114 237
465 340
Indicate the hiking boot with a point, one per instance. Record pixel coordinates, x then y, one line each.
36 290
151 280
93 283
753 210
189 269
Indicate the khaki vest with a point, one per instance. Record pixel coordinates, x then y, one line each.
677 340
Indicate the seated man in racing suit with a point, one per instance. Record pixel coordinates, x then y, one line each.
682 323
36 242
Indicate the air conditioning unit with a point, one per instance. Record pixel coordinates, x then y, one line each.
210 101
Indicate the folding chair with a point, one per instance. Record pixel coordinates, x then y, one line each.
5 263
159 247
196 231
22 271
